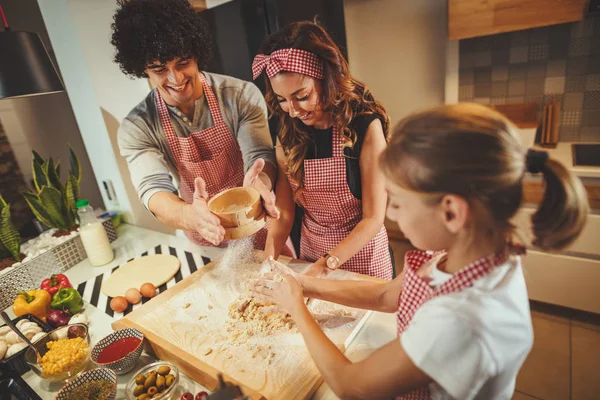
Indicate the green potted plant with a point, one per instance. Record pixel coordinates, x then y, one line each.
52 202
10 240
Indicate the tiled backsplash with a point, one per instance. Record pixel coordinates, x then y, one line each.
535 65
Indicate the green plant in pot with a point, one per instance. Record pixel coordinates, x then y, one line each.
53 203
10 240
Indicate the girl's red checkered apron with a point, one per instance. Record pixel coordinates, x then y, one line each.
332 211
211 154
416 291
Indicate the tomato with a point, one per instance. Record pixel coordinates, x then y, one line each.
201 396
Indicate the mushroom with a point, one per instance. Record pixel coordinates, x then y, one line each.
31 331
62 333
4 330
3 348
21 322
12 338
38 336
14 349
28 325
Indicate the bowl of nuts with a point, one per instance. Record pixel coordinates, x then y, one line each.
67 356
159 380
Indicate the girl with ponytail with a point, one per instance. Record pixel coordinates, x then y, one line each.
454 175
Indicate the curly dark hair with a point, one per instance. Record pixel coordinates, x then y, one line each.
145 31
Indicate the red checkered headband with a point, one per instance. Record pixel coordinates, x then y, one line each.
292 60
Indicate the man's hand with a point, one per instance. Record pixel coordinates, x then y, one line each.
204 222
261 182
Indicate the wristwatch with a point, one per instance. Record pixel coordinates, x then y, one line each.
332 261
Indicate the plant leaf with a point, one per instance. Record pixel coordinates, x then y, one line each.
38 209
53 177
71 193
57 169
39 177
52 200
9 236
75 165
37 158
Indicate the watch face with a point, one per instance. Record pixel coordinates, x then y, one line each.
332 262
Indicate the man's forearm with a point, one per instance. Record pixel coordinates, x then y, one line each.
171 210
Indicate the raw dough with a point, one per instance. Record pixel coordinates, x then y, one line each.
157 269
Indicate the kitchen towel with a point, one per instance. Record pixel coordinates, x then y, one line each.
91 293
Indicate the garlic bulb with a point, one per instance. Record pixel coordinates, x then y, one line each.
28 325
80 318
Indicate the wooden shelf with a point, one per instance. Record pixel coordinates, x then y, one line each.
470 18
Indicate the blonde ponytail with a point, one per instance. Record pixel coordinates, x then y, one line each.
562 214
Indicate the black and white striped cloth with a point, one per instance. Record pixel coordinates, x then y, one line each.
90 289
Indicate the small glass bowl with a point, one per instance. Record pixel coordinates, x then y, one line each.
170 393
69 373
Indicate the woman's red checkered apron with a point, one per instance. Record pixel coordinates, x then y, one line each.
332 211
211 154
416 292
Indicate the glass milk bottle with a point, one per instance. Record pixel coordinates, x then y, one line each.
93 235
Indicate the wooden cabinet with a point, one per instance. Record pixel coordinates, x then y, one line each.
470 18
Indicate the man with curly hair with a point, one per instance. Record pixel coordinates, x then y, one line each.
202 131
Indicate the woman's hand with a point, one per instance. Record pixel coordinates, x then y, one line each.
318 269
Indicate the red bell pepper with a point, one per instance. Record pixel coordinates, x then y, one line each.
55 282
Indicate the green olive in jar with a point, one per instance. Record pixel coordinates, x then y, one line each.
140 379
164 370
152 390
169 380
139 389
161 382
142 396
150 381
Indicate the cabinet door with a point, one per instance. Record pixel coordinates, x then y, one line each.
470 18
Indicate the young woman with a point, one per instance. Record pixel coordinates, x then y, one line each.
331 132
454 176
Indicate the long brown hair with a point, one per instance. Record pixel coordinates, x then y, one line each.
342 95
475 152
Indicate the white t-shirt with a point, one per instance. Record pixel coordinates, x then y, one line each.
472 343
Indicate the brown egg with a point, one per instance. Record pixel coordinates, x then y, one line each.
148 290
133 296
118 304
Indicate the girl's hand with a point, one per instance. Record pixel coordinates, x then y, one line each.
287 294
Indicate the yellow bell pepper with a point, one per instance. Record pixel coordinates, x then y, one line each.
36 302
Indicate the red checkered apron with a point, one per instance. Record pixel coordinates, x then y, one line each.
416 291
332 211
212 154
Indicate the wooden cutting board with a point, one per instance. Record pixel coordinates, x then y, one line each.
187 326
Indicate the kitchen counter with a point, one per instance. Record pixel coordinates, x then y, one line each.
379 329
564 153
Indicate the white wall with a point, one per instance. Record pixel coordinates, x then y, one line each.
398 48
101 94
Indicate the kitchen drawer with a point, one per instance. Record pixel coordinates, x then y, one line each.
563 280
